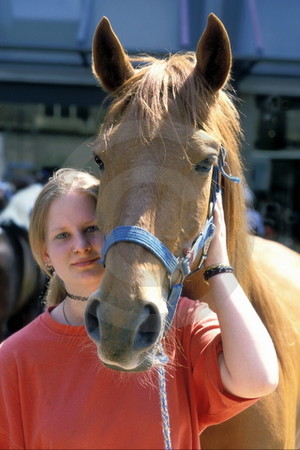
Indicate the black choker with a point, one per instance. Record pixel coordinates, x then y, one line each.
76 297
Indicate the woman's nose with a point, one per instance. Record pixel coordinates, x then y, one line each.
81 244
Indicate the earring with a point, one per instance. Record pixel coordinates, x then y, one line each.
49 268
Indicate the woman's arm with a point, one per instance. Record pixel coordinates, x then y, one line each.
248 364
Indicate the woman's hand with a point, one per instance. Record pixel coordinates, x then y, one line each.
217 252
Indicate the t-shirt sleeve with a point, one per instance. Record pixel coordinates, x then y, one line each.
214 404
11 432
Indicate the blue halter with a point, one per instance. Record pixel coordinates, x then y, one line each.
180 265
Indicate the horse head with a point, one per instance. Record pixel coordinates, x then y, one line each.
160 142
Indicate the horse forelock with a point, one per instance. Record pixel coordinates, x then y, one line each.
163 88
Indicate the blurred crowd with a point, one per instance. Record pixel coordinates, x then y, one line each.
269 218
18 194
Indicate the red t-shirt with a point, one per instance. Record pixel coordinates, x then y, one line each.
55 394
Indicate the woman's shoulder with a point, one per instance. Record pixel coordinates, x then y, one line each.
193 311
43 334
197 329
20 342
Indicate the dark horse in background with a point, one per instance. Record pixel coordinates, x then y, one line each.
21 281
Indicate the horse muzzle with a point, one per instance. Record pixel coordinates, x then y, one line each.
126 339
128 333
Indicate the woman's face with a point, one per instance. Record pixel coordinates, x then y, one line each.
73 242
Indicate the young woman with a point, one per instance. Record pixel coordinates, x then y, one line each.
66 242
54 392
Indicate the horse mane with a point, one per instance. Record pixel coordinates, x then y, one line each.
161 88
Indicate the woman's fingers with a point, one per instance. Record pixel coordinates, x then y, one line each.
217 252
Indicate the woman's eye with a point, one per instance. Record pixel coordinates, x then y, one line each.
99 162
205 165
93 228
62 235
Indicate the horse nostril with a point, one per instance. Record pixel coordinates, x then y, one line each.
149 329
92 321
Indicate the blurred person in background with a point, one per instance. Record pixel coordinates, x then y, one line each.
18 208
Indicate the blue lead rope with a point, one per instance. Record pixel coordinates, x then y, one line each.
164 407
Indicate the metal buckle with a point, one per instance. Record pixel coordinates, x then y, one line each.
206 247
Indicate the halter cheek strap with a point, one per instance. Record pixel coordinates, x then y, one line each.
174 265
204 239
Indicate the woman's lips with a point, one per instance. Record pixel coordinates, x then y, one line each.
86 262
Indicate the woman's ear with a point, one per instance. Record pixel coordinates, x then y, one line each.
46 258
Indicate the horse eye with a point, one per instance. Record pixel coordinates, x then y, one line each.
99 162
204 166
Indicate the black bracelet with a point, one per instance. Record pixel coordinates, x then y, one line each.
215 270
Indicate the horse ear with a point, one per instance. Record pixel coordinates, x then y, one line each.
111 65
214 54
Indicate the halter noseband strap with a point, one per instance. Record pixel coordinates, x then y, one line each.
143 237
180 265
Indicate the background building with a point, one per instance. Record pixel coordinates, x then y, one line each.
50 102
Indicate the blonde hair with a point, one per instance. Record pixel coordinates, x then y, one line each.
62 182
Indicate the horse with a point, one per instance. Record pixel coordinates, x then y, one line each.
166 120
21 281
19 208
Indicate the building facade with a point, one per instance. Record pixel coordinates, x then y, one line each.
51 104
